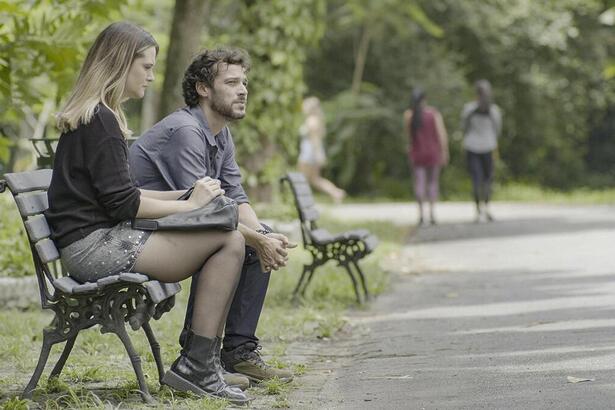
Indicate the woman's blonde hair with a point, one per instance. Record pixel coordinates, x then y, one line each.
103 75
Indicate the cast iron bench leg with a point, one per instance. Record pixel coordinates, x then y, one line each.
40 366
309 279
57 369
304 274
151 338
363 281
354 282
120 331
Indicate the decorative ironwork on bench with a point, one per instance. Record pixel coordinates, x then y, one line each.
110 302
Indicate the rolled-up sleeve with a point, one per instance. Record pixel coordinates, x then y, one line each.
184 156
230 175
108 169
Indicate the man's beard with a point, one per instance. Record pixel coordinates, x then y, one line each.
225 109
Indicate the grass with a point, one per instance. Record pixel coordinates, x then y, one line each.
15 257
98 374
516 192
508 192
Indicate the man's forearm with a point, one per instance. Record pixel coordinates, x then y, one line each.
248 217
249 234
248 224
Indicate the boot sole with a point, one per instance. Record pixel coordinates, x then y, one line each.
177 382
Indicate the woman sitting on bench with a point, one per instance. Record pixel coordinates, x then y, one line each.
92 200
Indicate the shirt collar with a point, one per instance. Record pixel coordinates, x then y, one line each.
197 112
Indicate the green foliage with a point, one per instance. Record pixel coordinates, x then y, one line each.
534 193
5 145
356 123
42 44
365 143
546 61
15 258
274 387
394 14
15 403
536 54
276 34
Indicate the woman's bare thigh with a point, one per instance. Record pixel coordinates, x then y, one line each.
311 171
171 256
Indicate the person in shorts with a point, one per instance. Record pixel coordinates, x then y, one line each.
92 200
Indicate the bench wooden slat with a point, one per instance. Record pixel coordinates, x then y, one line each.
28 181
66 284
295 177
301 186
310 214
47 250
69 285
370 243
32 203
321 235
159 291
133 277
37 228
305 201
303 189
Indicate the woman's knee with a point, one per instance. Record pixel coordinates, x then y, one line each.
235 243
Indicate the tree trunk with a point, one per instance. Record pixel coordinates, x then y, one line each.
188 21
149 110
360 59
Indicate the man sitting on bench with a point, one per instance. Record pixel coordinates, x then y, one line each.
195 142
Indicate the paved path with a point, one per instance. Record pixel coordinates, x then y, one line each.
506 315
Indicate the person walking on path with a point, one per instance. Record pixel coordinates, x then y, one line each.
481 123
92 200
427 151
312 155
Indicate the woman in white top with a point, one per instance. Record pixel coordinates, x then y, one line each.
482 123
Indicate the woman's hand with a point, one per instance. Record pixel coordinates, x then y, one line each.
205 190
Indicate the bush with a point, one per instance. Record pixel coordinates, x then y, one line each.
15 256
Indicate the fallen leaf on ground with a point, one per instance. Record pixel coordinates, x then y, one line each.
407 376
578 380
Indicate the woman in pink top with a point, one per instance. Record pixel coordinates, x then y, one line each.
427 150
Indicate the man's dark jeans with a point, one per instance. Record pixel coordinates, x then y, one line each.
247 304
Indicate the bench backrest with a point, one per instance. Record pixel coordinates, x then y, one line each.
46 150
29 190
304 202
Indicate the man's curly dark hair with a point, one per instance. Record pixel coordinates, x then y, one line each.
204 68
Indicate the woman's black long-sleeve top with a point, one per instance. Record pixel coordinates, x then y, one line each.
91 187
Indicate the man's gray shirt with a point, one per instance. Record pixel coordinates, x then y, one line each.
180 149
